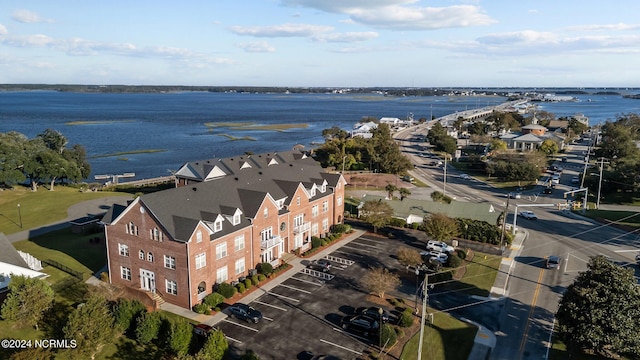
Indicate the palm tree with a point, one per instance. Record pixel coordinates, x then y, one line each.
390 189
404 192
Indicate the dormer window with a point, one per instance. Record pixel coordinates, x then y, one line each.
217 226
324 188
313 191
236 219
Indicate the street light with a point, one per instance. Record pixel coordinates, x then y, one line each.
417 287
20 216
380 312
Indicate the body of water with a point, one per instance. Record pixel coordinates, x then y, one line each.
176 123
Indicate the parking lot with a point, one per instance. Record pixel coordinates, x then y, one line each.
303 313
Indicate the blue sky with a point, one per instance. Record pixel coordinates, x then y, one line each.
337 43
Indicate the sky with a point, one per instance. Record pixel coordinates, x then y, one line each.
322 43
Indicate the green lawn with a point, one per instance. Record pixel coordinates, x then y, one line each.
41 207
628 218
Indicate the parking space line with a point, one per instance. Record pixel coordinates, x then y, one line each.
348 253
295 288
232 339
269 305
267 318
238 324
307 281
362 244
340 346
282 296
350 334
356 249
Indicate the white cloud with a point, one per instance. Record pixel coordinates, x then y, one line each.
257 47
344 6
28 17
284 30
421 18
608 27
347 37
3 30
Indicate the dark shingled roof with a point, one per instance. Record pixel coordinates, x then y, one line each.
9 254
275 174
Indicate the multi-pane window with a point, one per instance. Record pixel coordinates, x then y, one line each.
298 200
240 266
169 262
324 188
198 236
131 229
125 273
236 219
314 229
221 251
325 206
201 260
339 201
222 275
238 243
150 257
123 249
172 287
156 234
325 225
217 226
141 255
265 212
314 210
266 234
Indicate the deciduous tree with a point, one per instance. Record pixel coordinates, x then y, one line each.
91 325
376 213
441 227
600 311
409 257
27 301
380 281
214 347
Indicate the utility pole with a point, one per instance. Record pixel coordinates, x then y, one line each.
444 180
504 224
602 162
425 297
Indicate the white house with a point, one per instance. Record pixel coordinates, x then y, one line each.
363 129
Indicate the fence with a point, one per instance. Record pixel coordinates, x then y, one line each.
68 270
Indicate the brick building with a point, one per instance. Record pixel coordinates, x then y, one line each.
224 217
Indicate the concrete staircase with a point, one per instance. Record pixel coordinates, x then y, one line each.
158 299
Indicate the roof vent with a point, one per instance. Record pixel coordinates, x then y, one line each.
291 165
197 163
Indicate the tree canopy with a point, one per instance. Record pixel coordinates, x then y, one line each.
376 213
600 311
44 158
27 301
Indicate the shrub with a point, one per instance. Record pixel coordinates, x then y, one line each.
226 290
241 288
316 242
406 318
214 299
340 228
261 277
397 222
389 336
179 338
462 254
264 268
125 312
148 327
324 243
454 261
255 279
248 283
201 308
104 276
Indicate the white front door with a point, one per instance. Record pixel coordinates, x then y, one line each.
147 280
297 241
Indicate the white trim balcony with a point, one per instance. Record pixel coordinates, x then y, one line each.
271 242
298 229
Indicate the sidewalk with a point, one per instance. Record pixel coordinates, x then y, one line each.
485 340
297 265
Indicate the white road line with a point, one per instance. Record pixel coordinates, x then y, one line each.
269 305
243 326
295 288
267 318
340 346
282 296
232 339
350 247
370 240
306 281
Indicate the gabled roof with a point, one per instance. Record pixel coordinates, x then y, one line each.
528 138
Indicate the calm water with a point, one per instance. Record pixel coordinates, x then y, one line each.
175 122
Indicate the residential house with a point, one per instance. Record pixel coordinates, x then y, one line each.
16 263
363 130
224 217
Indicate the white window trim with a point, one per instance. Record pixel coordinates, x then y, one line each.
236 241
242 269
201 260
221 253
171 287
171 262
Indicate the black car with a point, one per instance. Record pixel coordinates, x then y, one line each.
323 265
547 191
361 324
374 313
245 312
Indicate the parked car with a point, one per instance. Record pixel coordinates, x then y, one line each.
465 177
548 190
323 265
374 313
202 329
440 246
575 179
528 215
434 255
361 324
245 312
638 259
515 195
555 179
408 178
436 163
553 262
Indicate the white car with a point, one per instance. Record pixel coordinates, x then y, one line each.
439 246
465 177
435 255
528 215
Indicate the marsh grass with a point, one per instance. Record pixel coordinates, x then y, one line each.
133 152
235 138
97 122
251 126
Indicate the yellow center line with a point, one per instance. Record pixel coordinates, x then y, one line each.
533 306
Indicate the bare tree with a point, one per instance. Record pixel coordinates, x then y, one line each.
380 281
